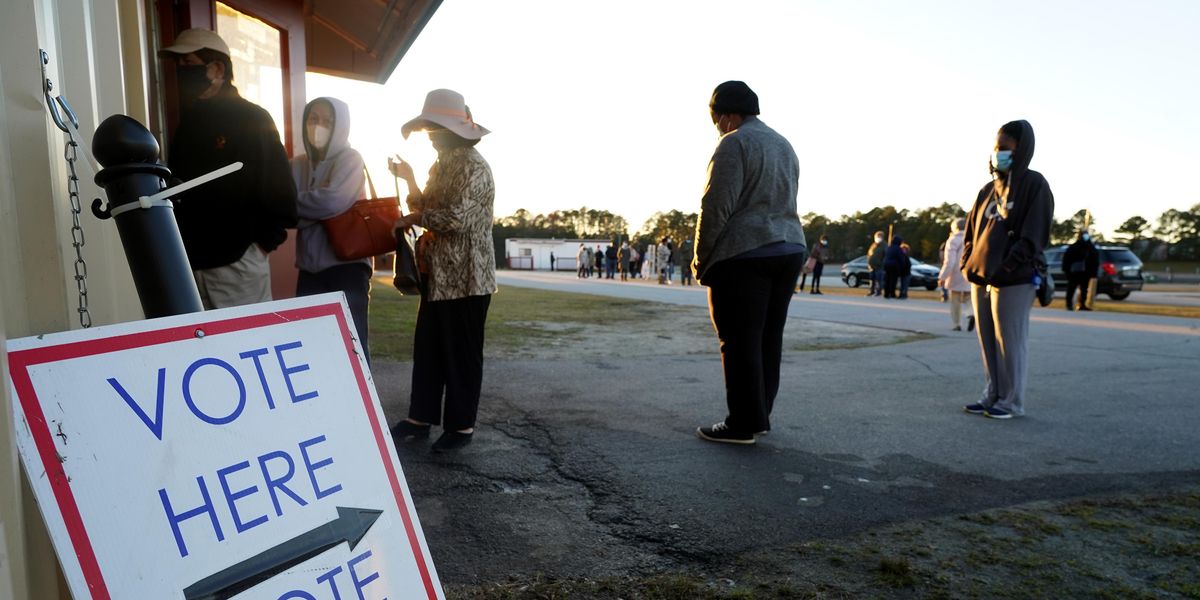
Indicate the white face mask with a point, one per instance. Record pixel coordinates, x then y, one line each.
318 135
878 240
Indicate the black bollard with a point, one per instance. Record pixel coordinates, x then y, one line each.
149 234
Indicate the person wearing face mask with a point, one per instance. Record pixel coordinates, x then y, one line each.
749 251
329 179
455 208
1006 231
1080 263
228 225
875 256
951 279
820 254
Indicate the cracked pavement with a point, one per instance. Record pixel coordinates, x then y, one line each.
584 467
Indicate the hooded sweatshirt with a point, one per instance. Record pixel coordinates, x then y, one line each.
325 189
1009 225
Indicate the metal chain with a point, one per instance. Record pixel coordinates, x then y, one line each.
71 154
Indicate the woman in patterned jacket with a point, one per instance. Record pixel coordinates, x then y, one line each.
455 208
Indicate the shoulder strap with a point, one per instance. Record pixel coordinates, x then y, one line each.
370 184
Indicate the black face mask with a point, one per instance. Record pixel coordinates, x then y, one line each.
192 80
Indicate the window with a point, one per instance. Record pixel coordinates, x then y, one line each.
257 57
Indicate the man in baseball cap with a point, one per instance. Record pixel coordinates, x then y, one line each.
228 225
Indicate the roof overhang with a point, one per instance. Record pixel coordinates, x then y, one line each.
362 39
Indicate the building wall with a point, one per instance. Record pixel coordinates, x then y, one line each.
98 61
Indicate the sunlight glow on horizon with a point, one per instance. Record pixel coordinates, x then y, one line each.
885 104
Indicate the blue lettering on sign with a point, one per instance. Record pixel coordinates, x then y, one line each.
187 391
154 426
312 468
262 377
330 577
175 519
232 497
255 356
272 483
288 371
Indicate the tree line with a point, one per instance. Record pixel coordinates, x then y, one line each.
1174 236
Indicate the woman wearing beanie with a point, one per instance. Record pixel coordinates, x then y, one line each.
749 252
1007 229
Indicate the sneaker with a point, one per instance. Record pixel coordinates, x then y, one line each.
975 409
818 292
407 430
719 432
957 328
997 413
451 440
971 323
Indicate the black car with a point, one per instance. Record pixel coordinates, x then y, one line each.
855 273
1120 271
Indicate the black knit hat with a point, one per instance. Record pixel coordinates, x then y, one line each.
734 98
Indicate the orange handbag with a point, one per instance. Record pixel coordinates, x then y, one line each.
365 229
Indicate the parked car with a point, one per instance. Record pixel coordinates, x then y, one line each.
855 273
1120 271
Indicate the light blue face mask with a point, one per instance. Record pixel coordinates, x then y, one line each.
1002 160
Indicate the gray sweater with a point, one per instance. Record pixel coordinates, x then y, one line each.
750 199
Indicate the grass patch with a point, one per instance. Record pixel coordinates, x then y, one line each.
896 572
819 346
513 318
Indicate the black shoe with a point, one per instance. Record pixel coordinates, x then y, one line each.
1085 308
975 409
407 430
451 441
970 322
997 413
719 432
1070 308
818 292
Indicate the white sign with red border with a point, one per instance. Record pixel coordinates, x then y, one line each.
238 453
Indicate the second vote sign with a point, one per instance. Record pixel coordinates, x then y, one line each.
232 453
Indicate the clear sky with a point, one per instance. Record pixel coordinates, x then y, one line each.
605 104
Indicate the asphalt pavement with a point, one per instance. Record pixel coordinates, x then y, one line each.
586 467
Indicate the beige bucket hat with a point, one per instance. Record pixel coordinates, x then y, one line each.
448 109
191 40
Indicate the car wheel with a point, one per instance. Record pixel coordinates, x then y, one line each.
931 286
1118 295
853 281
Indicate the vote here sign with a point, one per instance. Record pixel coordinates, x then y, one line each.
232 453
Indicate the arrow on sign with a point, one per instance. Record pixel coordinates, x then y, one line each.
350 526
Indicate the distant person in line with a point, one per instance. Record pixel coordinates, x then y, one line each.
610 261
893 267
1007 229
664 261
875 264
551 261
625 256
1080 262
686 253
598 257
820 254
582 260
749 251
329 178
670 259
951 277
456 209
905 270
228 225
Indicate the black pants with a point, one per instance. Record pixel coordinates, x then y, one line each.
890 276
748 300
448 361
354 280
1080 281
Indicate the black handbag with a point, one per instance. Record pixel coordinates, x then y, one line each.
406 278
1045 291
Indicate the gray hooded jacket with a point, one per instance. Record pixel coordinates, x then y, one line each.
325 189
